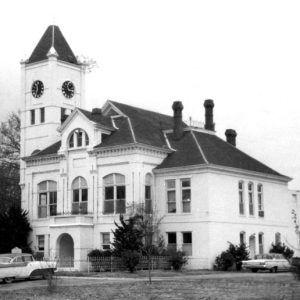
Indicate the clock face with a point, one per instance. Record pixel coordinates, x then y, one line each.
68 89
37 89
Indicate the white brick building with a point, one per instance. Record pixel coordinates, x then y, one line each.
81 169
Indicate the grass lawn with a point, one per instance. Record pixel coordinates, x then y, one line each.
267 287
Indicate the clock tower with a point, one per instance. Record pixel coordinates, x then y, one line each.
52 85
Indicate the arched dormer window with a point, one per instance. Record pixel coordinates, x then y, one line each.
148 193
80 196
47 198
114 194
78 138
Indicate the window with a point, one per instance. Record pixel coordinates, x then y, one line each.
41 243
42 115
80 196
242 237
114 194
171 195
186 195
148 194
277 238
32 117
172 241
78 138
260 200
47 199
105 239
241 198
251 200
261 243
187 243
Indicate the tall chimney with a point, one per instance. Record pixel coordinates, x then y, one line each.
209 115
231 136
96 111
178 126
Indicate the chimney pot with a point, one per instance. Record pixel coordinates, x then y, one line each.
209 115
178 126
96 111
231 136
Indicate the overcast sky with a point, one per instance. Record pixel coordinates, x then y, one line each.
245 55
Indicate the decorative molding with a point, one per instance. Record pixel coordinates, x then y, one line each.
42 160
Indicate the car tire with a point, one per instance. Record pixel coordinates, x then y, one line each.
254 270
273 270
8 280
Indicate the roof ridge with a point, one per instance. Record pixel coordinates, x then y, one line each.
199 147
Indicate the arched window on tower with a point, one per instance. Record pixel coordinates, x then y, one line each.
78 138
80 196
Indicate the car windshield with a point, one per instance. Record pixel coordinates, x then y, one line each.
5 260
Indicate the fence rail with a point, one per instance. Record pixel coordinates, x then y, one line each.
113 263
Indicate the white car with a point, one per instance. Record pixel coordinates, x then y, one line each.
273 262
22 265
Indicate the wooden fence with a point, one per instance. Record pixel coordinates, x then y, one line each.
113 263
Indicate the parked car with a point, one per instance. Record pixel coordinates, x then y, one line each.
273 262
23 265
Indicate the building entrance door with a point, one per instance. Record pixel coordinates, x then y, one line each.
65 245
252 246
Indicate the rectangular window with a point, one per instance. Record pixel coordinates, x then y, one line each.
79 138
41 243
120 201
53 203
241 198
32 117
186 195
62 114
42 208
261 243
105 241
42 115
109 200
251 200
148 200
260 200
242 238
172 241
187 243
171 195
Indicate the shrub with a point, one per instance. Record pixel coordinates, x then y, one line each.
296 267
94 254
130 259
283 249
177 259
224 261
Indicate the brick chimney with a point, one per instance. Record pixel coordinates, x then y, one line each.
231 136
209 115
178 126
96 111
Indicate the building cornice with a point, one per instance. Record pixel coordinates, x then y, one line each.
222 169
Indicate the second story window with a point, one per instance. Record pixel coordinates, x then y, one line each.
114 194
78 138
148 194
186 195
32 117
251 200
241 198
260 200
80 196
171 195
42 115
47 199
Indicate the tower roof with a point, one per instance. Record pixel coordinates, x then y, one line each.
53 39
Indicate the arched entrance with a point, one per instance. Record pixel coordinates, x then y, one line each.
65 250
252 245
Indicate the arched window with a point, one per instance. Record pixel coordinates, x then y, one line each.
251 200
148 193
241 198
261 243
260 200
47 202
114 194
242 237
78 138
80 196
277 238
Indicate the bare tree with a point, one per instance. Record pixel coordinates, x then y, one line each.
9 161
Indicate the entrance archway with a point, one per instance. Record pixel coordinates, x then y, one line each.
65 247
252 246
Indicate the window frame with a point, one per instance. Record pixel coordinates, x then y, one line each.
241 198
182 188
80 206
104 245
50 194
261 243
172 246
187 248
117 189
277 238
251 199
260 200
242 237
42 114
32 117
78 138
40 237
171 189
148 193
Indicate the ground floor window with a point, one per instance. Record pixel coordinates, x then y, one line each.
172 241
242 237
261 243
105 241
187 243
41 243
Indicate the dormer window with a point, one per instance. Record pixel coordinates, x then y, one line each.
78 138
